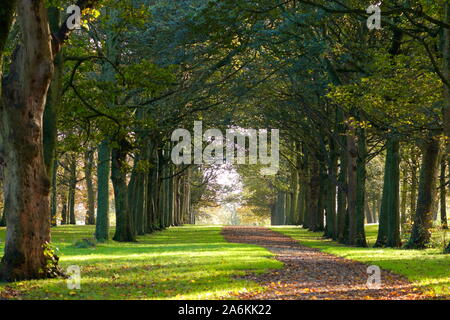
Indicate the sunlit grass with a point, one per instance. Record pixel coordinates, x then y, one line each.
179 263
428 269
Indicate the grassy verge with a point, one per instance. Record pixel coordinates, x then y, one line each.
428 269
179 263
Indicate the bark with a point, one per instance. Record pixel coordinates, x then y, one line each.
281 220
170 197
187 202
342 196
125 231
443 193
369 217
22 105
136 197
2 204
53 102
296 189
88 165
307 193
54 196
64 215
421 235
72 188
404 197
352 182
314 195
153 190
446 73
288 208
330 228
413 195
393 212
322 198
359 238
103 171
389 227
304 190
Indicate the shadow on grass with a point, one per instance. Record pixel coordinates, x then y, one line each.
183 263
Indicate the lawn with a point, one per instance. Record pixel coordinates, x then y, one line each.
188 262
428 269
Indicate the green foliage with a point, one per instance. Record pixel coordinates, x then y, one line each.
52 269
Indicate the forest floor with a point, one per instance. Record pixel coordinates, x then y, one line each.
309 273
428 270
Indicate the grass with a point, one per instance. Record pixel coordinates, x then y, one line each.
188 262
428 269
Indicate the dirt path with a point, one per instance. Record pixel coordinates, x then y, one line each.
311 274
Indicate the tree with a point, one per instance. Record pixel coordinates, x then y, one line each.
421 235
25 89
103 172
88 168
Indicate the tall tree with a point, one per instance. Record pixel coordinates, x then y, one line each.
22 104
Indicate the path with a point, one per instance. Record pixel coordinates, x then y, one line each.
311 274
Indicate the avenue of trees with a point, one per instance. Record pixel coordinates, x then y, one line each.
87 115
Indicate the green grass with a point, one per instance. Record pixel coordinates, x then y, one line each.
428 269
188 262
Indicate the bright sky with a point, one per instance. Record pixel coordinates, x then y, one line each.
229 177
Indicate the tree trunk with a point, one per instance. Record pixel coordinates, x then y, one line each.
27 184
124 219
2 203
352 183
103 171
304 191
404 197
389 228
369 217
295 189
72 188
360 233
88 164
53 102
413 195
288 208
342 196
322 198
446 73
136 188
54 197
443 193
153 192
314 195
64 208
393 213
330 228
421 235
